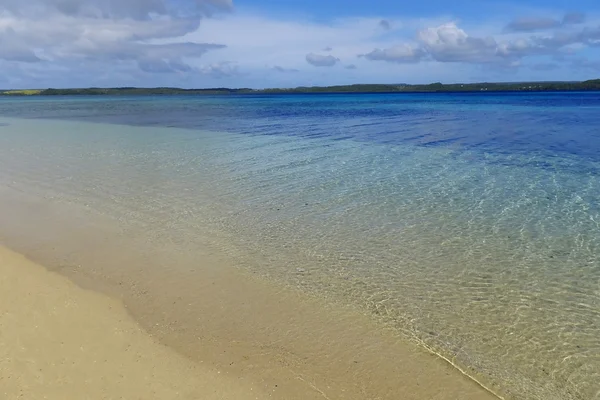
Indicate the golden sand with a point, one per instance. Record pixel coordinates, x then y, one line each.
58 341
245 336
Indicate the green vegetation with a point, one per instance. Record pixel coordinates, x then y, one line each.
591 85
132 91
28 92
456 87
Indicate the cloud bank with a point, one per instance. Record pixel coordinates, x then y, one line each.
448 43
201 43
91 33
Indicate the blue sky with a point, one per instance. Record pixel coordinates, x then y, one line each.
286 43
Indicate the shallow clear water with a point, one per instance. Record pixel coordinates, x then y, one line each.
471 223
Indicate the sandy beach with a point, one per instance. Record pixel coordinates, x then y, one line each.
144 327
58 341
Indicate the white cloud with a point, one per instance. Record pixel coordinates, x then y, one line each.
444 43
449 43
223 69
319 60
403 53
64 32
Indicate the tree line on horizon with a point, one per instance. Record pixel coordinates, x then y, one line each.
589 85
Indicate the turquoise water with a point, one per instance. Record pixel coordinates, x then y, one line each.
470 223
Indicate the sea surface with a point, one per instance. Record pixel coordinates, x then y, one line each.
469 223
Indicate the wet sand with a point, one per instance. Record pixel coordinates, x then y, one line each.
58 341
262 337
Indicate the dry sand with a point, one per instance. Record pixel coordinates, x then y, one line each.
58 341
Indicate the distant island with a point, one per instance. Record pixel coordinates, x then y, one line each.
590 85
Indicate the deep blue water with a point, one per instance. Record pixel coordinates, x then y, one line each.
550 123
469 222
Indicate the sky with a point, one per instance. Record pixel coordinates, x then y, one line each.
289 43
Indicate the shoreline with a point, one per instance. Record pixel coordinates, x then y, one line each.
205 305
289 345
73 339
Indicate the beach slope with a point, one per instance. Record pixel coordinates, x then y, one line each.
58 341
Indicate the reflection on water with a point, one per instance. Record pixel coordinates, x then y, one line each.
487 253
